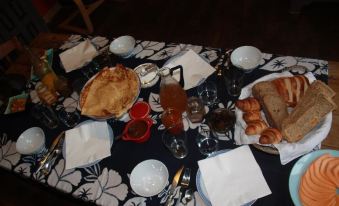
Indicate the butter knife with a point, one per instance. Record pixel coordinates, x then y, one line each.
174 184
50 151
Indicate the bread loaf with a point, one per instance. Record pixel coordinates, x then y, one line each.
248 104
263 88
291 88
311 109
255 127
272 103
275 110
270 136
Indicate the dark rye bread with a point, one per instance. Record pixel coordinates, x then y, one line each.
273 104
311 109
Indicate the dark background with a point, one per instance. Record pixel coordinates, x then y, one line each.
268 25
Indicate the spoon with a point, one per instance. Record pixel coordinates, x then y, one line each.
47 167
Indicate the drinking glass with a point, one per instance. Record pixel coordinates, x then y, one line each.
45 115
175 143
207 91
195 109
171 118
69 116
234 79
207 144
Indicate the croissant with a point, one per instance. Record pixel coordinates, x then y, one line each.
255 127
248 104
291 88
270 136
251 116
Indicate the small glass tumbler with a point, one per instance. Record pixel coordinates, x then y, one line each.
207 145
195 109
207 91
234 80
171 118
69 116
45 115
175 143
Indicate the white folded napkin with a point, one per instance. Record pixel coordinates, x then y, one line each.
287 151
233 178
195 68
78 56
86 144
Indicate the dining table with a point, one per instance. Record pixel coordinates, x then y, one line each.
108 181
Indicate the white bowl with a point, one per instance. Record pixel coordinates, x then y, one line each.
31 141
122 46
149 178
246 58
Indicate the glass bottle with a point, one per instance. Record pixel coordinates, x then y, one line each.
171 93
42 69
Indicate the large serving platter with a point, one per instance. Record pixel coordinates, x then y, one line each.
321 130
300 168
110 116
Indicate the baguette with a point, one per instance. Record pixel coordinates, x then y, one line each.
291 88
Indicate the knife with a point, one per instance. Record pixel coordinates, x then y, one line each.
174 184
50 151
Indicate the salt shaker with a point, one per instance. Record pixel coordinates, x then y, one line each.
195 109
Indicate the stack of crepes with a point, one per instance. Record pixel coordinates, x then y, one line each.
111 93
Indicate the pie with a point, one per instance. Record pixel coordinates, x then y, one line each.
111 93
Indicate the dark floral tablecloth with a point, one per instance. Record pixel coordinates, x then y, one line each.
107 182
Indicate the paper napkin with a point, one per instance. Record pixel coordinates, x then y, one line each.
287 151
233 178
78 56
86 144
195 69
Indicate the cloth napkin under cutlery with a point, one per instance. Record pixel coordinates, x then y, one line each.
86 144
78 56
195 69
233 178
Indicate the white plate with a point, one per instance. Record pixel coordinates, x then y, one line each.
201 186
110 116
111 138
149 178
299 169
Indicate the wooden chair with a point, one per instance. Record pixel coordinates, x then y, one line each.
85 10
13 59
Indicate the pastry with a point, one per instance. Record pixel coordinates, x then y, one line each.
270 136
255 127
251 116
248 104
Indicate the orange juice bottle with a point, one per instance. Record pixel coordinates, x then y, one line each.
171 93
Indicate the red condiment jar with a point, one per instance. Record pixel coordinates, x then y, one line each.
138 130
139 110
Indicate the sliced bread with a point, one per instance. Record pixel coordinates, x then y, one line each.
308 113
275 109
